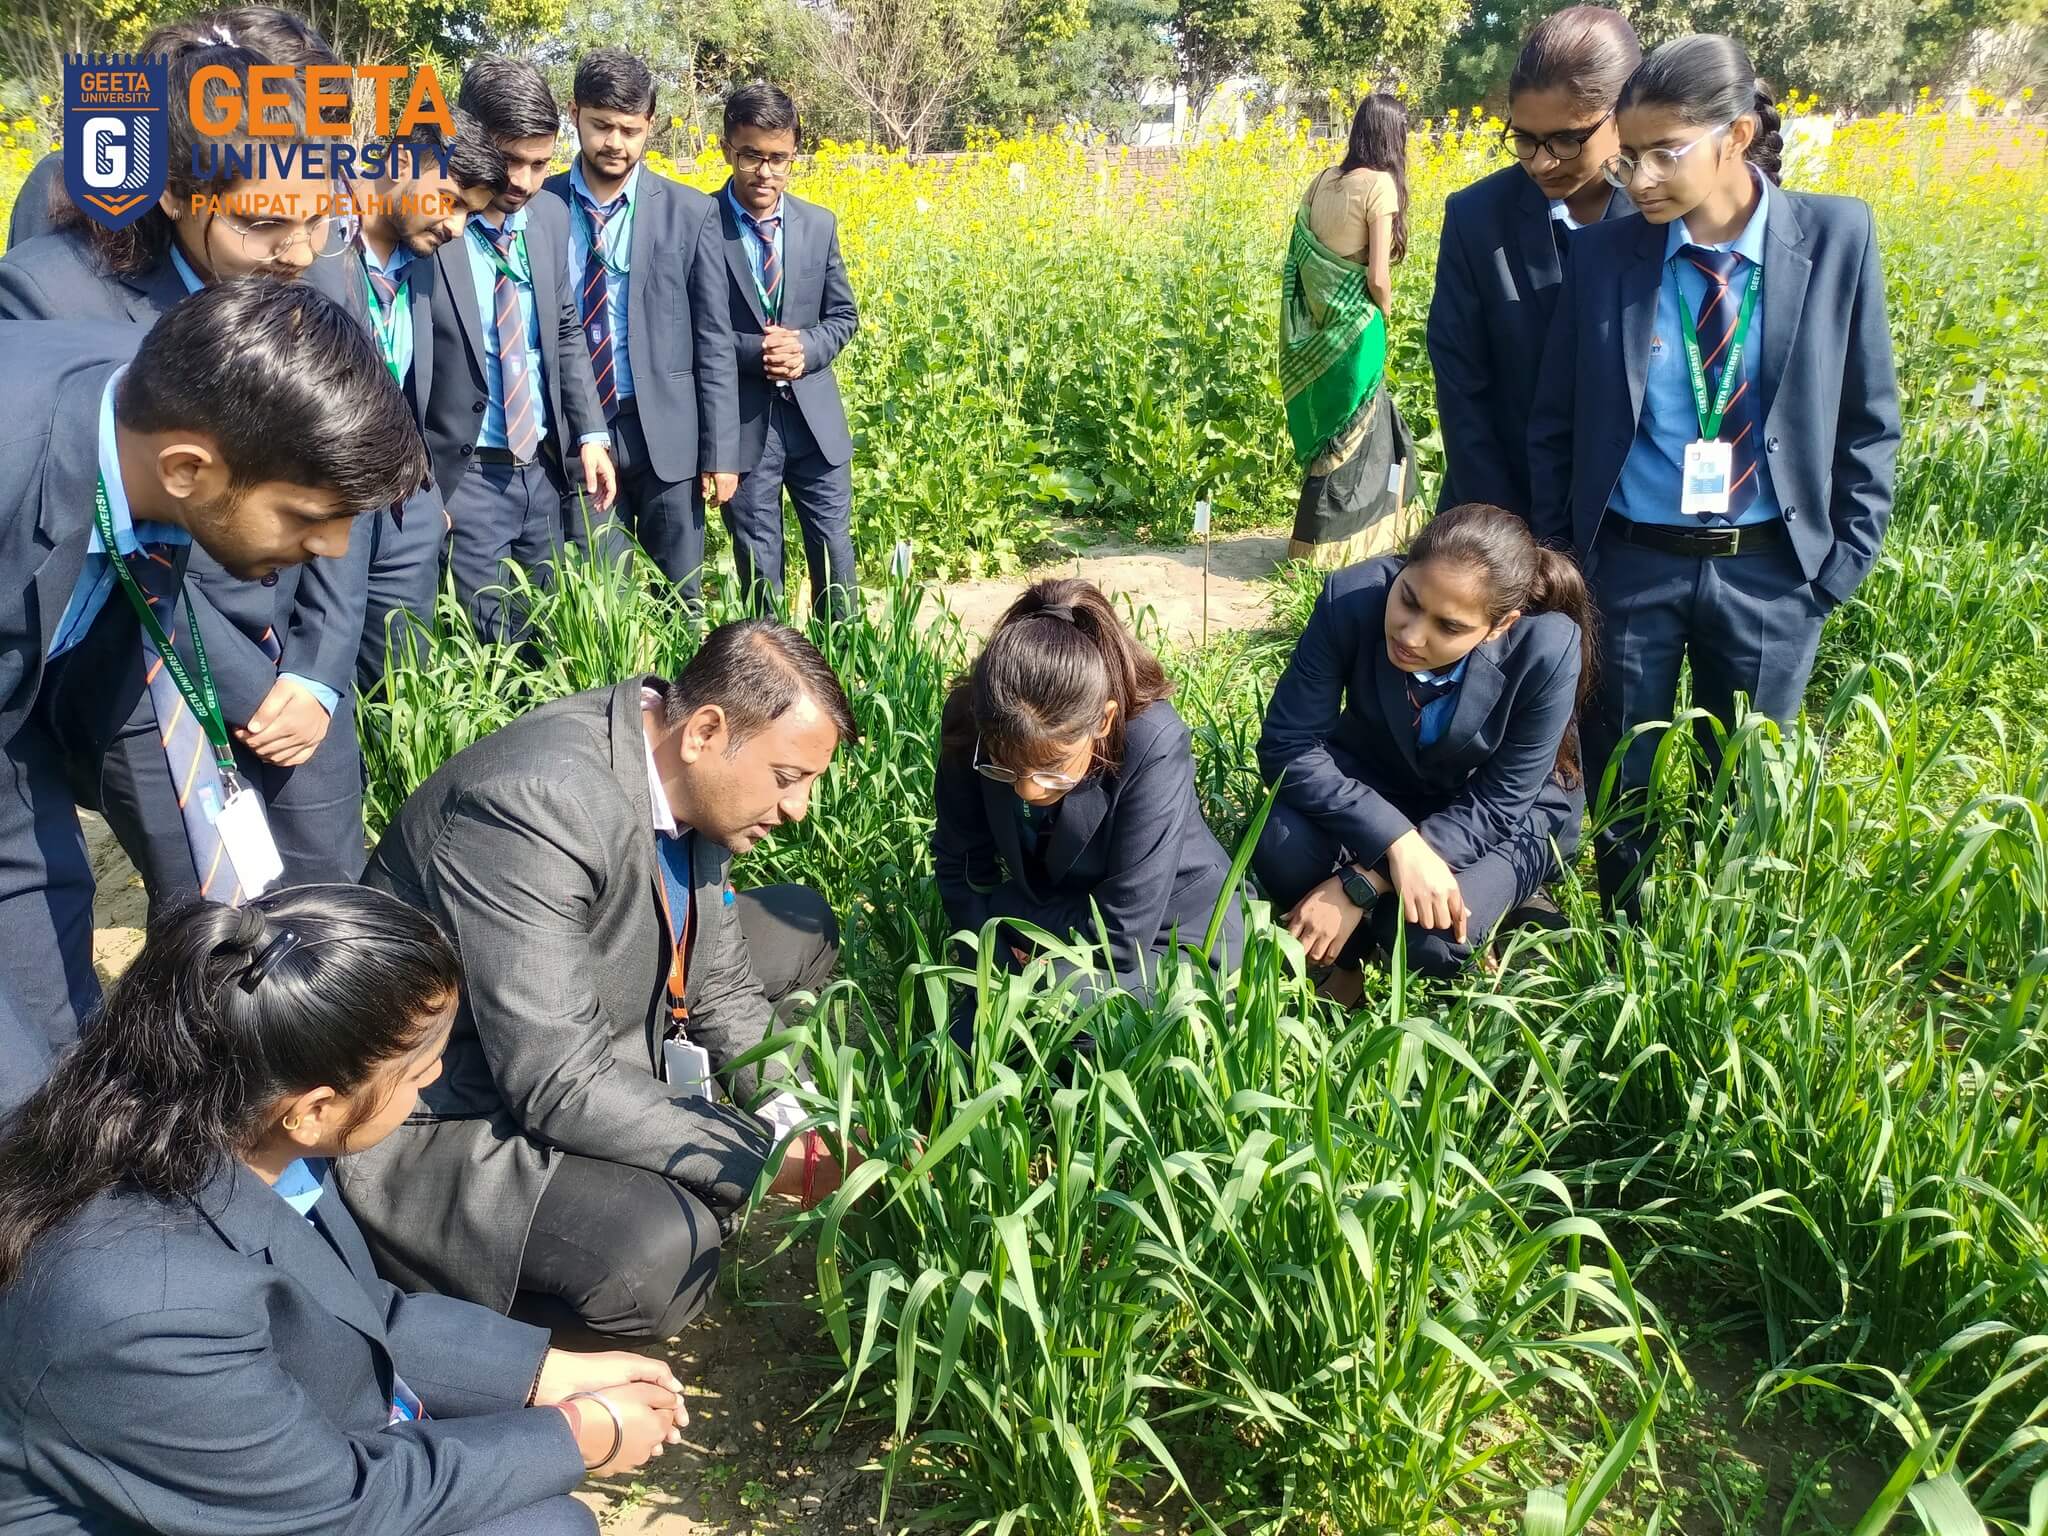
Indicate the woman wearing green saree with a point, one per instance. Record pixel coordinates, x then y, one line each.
1336 294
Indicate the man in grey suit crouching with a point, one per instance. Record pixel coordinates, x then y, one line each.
575 1157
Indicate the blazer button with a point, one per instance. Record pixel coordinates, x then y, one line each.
467 450
479 405
1791 514
1770 445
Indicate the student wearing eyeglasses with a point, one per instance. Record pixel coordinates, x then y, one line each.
1066 785
1718 422
1506 239
285 651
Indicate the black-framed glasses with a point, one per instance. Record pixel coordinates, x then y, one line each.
1620 170
1042 778
1566 145
754 160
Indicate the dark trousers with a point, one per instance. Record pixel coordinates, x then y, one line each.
551 1517
47 984
620 1253
666 517
822 494
405 575
1294 855
1747 623
500 513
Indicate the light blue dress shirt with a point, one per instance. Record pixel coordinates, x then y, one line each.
750 238
96 579
617 245
401 329
325 696
1436 714
1650 487
299 1187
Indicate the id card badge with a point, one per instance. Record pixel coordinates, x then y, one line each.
687 1069
245 834
1708 466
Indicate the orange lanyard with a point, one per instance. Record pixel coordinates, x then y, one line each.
679 958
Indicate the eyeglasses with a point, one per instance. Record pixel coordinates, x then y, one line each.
1566 145
1620 170
1041 779
754 160
267 239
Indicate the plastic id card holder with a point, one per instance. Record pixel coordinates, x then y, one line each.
245 835
1708 465
687 1070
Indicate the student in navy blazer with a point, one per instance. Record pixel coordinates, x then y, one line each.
647 270
1066 784
1741 588
192 1336
285 650
1504 244
1423 739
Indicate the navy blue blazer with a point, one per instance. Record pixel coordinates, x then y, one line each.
316 610
217 1364
1131 841
1830 399
1340 737
678 331
455 407
1497 281
24 1055
817 300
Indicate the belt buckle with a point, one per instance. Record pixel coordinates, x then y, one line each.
1723 541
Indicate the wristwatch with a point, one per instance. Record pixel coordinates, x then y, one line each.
1358 890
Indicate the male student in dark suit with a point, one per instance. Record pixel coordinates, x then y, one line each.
1720 516
578 858
255 421
285 652
792 313
518 440
416 206
1505 241
649 279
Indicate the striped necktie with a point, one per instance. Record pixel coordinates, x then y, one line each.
195 775
522 400
1423 692
771 264
1716 327
596 302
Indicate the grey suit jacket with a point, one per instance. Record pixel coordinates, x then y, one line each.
1830 398
678 333
1132 843
534 850
165 1362
317 609
455 408
817 301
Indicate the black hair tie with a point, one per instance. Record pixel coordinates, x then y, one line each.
1061 611
269 956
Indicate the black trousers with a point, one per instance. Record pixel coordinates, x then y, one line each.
1746 623
405 576
499 513
552 1517
822 494
616 1252
666 517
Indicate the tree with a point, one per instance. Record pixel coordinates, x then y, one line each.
1094 75
1341 41
907 63
1221 39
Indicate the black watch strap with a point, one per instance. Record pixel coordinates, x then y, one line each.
1358 890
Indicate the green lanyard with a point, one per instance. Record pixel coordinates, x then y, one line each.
203 699
385 321
1731 370
617 232
523 273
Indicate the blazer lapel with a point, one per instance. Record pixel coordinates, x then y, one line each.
455 276
647 212
64 518
149 294
1391 685
549 269
999 803
256 1222
736 253
1783 296
422 291
1081 812
1618 205
1539 240
1638 297
1477 694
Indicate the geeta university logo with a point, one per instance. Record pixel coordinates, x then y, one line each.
116 144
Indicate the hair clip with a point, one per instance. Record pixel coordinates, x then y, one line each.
1061 611
268 956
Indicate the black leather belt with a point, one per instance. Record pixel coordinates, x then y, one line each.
1703 543
499 456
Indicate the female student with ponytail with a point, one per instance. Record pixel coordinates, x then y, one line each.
1717 423
1066 784
1505 242
1423 739
192 1337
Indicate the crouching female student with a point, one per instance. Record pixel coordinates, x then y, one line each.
1424 741
191 1335
1066 783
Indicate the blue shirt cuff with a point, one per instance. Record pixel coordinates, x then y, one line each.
327 696
603 438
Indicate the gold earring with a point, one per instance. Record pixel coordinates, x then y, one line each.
291 1122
